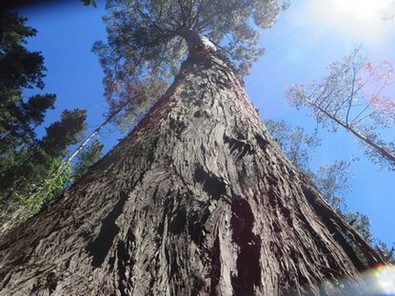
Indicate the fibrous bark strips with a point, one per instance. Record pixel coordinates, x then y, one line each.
197 200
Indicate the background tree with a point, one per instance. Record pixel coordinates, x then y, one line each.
28 184
61 134
87 158
333 182
26 161
295 142
352 97
20 69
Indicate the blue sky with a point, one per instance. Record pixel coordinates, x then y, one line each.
307 37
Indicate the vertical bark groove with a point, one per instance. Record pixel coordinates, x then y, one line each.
101 245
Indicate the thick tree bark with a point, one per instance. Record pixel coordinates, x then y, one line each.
197 200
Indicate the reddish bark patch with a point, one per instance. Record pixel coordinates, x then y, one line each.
248 263
215 272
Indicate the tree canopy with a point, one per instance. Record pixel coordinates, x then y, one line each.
147 39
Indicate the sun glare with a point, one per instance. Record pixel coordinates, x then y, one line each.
357 19
359 10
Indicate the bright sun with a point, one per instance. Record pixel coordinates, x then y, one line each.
359 10
356 18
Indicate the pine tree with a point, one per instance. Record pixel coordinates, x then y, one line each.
197 200
19 69
26 161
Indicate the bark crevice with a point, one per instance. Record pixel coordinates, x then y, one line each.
101 245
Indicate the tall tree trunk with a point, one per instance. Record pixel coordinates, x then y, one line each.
197 200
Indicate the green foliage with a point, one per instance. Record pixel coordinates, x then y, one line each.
147 40
22 68
19 69
87 157
35 198
61 134
49 189
27 164
387 252
360 223
13 30
19 119
352 97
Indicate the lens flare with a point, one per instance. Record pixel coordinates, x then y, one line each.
382 280
379 281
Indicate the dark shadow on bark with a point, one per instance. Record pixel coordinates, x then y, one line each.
211 184
196 223
124 258
240 145
102 244
178 221
261 142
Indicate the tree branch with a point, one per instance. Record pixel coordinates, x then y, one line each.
380 149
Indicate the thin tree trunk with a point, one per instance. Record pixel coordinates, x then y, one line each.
197 200
375 146
62 167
